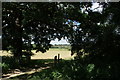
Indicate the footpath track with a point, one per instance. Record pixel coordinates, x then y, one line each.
19 73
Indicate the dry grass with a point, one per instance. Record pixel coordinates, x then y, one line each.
5 53
64 54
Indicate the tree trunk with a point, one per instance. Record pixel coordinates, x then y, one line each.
18 42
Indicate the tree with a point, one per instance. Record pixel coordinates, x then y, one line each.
24 23
12 22
98 37
98 32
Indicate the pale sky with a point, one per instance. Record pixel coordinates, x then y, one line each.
62 41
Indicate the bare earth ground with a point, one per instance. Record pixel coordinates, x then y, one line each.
19 73
64 54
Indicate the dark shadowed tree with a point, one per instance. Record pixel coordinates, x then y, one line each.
91 32
98 35
24 23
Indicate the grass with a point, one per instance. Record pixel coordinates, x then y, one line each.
64 54
37 60
53 73
78 69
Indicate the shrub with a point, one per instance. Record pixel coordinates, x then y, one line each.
5 67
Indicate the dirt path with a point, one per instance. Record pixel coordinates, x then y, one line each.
19 73
23 73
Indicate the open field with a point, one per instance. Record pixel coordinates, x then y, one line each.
4 53
64 54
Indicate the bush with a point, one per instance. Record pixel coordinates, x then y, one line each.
5 67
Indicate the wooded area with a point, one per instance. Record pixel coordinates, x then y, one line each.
95 40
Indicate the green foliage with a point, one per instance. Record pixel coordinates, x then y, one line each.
49 74
5 67
36 22
90 67
76 70
8 63
56 74
98 34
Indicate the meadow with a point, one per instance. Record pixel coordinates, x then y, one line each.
38 60
64 54
67 69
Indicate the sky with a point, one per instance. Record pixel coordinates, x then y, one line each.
63 41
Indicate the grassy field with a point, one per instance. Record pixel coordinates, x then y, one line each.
64 54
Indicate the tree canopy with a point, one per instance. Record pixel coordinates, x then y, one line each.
24 23
97 34
93 33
